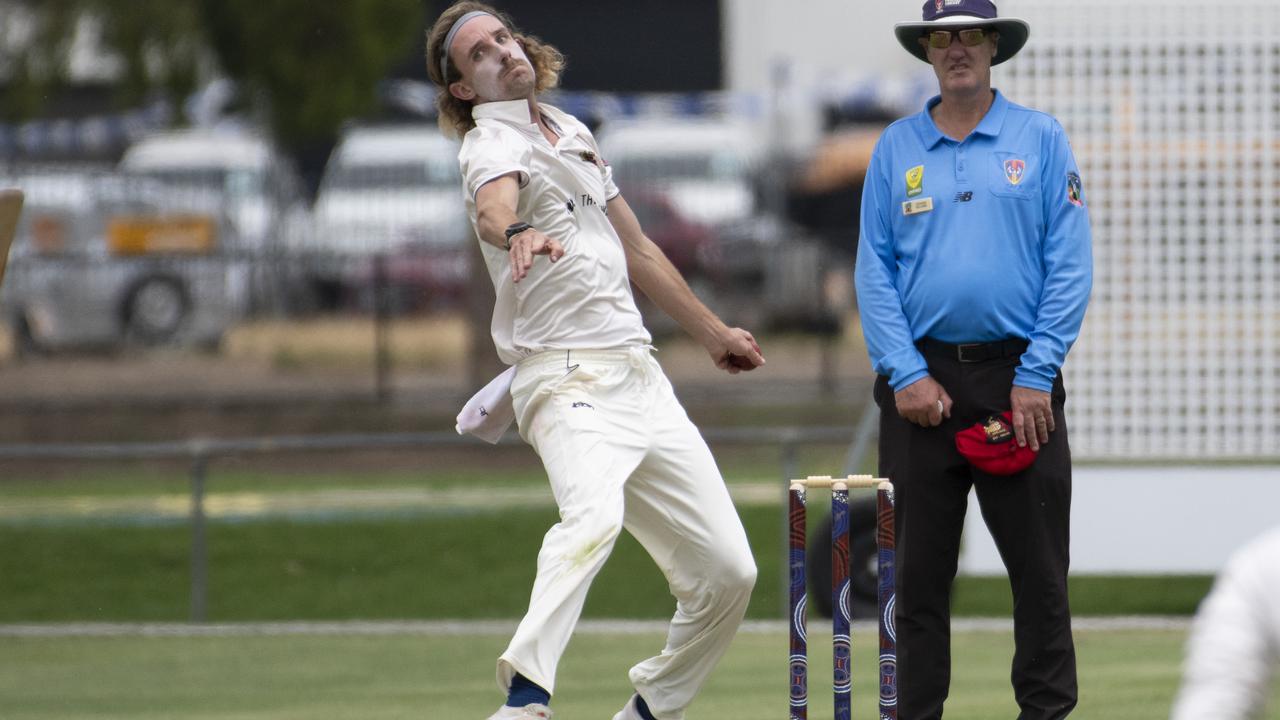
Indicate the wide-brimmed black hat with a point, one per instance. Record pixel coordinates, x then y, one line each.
946 14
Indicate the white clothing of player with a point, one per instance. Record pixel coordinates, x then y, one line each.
584 300
619 450
1234 649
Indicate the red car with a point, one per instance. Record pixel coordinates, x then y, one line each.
691 246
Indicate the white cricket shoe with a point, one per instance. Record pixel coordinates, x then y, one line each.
528 712
629 711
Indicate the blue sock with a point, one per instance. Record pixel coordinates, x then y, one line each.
643 708
525 692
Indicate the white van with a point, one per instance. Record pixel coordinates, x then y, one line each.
257 185
387 186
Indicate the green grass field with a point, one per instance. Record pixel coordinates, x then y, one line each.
1123 675
68 556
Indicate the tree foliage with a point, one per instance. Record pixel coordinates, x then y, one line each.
38 38
308 65
303 67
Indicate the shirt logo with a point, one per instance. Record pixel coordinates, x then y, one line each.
937 4
1075 190
1013 170
964 196
915 181
997 430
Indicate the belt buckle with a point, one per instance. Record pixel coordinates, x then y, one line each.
963 350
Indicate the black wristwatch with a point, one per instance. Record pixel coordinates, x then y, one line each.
515 229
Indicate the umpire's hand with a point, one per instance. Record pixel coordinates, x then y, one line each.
923 402
1032 412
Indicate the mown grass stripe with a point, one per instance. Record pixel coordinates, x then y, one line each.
326 503
506 627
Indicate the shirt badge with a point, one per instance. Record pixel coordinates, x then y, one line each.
915 181
1014 169
594 159
916 207
1075 190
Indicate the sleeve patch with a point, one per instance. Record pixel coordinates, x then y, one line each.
1075 189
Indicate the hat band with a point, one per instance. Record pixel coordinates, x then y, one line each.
448 40
960 17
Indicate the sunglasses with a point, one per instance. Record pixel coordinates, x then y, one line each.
941 39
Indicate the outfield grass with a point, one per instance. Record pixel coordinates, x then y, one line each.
424 561
1130 675
445 564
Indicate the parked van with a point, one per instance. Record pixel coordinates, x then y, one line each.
102 260
258 185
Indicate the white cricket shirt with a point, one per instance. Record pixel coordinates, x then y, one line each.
583 300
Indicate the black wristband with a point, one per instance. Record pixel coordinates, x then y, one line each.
515 229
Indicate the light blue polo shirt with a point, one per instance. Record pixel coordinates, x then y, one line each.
973 241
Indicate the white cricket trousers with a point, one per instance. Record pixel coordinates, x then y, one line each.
620 452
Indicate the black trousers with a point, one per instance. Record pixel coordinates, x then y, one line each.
1028 516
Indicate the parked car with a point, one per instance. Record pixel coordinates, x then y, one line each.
395 192
769 272
705 167
692 247
415 277
103 260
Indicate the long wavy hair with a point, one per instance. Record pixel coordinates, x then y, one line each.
455 114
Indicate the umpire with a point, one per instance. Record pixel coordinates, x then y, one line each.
974 269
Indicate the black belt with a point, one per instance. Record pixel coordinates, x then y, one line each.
973 352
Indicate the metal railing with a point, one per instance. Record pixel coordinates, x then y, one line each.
198 452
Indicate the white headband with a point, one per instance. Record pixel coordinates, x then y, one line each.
448 40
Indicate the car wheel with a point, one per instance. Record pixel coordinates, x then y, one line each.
25 345
155 309
863 562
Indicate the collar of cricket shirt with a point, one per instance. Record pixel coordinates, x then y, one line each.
516 112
